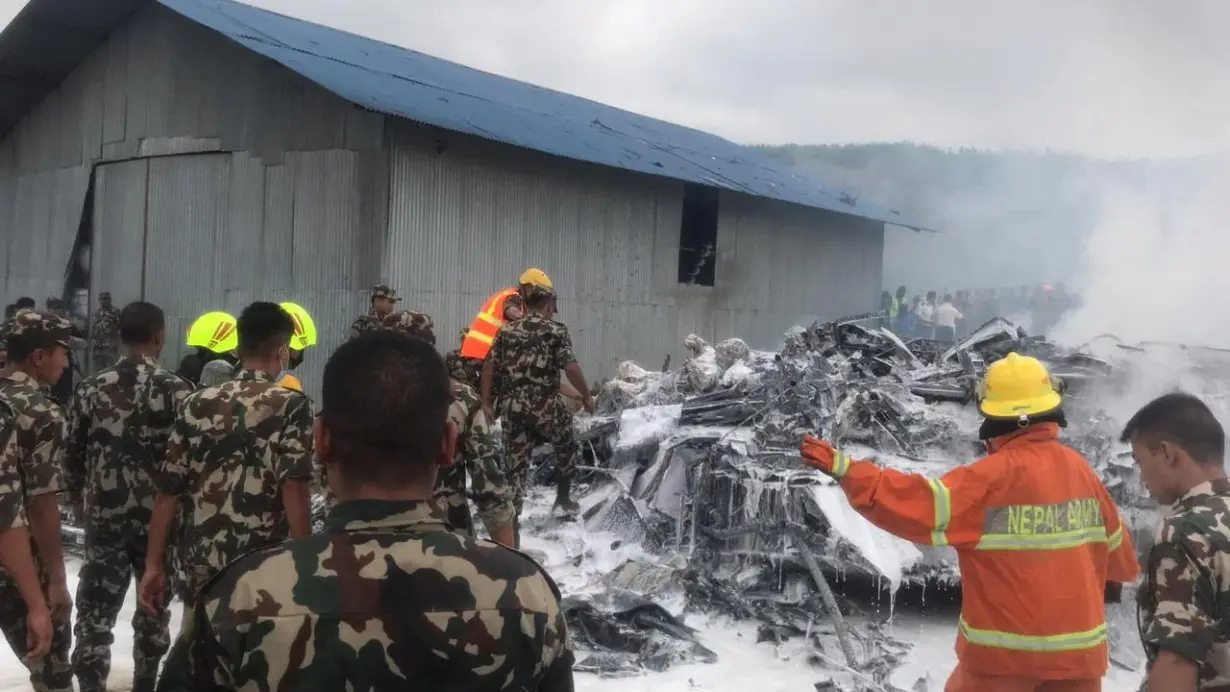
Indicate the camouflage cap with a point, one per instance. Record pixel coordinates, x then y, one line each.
34 323
105 295
413 323
383 291
535 291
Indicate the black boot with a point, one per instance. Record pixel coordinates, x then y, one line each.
565 507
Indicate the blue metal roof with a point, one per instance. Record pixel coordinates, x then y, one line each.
411 85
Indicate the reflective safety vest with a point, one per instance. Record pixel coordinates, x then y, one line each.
895 309
483 330
1037 539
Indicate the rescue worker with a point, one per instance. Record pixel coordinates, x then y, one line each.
1181 449
457 366
504 306
383 300
527 356
389 597
118 427
104 334
1040 544
899 308
212 335
304 336
239 459
38 345
477 455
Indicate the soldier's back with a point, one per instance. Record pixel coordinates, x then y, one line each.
529 355
232 448
119 422
392 599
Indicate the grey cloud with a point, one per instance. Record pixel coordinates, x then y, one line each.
1107 77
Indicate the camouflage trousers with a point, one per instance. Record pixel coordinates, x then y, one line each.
51 673
457 509
177 673
523 433
112 560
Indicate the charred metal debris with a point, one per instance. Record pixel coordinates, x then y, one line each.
700 465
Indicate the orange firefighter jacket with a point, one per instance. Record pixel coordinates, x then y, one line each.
1037 539
483 330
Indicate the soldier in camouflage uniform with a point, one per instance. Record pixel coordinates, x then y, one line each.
22 303
38 348
527 357
389 597
118 426
384 299
104 334
466 370
239 459
1185 598
477 454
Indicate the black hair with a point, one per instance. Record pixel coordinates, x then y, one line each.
24 302
539 300
140 323
384 399
1182 420
263 328
20 347
992 428
10 310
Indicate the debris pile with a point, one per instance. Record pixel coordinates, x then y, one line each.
701 465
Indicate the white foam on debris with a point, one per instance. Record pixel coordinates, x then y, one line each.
890 555
647 424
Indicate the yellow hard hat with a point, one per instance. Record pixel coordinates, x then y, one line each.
216 331
305 327
1017 387
535 277
291 382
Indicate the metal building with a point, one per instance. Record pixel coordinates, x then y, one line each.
202 154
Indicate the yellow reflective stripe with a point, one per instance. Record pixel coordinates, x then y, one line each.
841 464
494 321
1060 540
1116 539
479 336
943 511
1025 642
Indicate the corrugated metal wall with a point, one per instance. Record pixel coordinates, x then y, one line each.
467 217
222 179
225 179
40 214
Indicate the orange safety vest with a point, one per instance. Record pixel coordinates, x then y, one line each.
489 320
1037 539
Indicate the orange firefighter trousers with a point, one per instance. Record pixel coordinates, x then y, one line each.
965 680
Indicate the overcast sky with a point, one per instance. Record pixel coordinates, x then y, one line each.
1103 77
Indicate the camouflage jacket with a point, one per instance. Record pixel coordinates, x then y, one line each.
527 356
479 455
12 486
366 323
118 425
1185 599
37 429
105 329
230 450
387 598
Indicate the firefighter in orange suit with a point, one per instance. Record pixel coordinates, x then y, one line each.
1040 544
501 308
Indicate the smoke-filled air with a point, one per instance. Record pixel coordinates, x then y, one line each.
662 345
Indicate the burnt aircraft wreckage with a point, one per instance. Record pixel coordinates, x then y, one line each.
700 466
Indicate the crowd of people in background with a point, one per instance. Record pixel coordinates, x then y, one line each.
949 316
